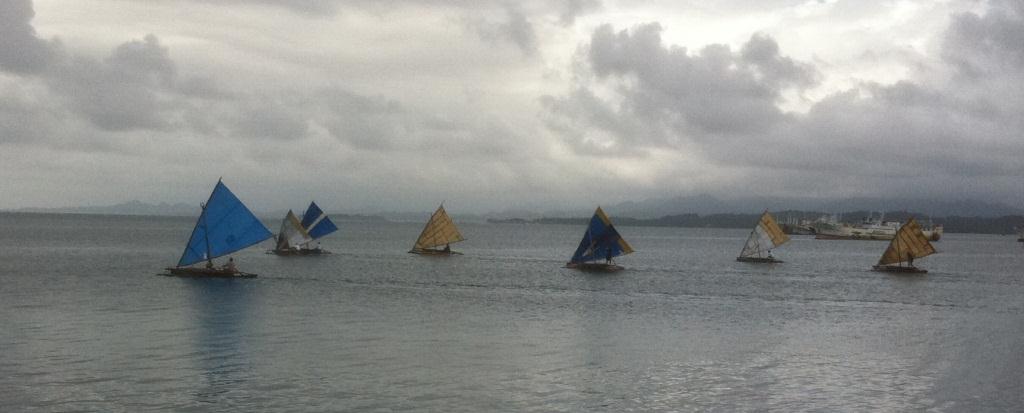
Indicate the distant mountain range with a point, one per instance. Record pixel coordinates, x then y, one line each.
125 208
652 208
707 204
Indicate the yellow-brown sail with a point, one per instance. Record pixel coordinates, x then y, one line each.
766 235
440 230
908 242
773 229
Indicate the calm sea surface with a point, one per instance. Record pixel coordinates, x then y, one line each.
85 325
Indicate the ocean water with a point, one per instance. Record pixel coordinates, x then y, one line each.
86 325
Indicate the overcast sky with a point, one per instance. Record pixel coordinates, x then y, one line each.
492 105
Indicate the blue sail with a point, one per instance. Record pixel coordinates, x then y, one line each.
225 226
601 241
316 222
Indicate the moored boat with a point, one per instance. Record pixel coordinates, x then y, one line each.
224 226
601 241
872 229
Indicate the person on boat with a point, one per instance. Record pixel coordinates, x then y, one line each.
608 256
447 248
910 259
209 264
230 266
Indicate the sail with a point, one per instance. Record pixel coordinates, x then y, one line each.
600 241
766 235
292 233
908 242
225 226
316 222
440 230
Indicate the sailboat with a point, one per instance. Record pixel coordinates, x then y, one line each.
291 236
908 244
295 236
224 226
440 230
766 235
600 242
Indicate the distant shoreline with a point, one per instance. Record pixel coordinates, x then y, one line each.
1003 225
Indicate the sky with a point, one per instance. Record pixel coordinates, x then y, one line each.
397 105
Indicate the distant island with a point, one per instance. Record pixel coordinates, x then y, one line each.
698 211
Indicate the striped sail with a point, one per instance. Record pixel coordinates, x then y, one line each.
292 233
600 241
908 242
766 235
440 230
316 222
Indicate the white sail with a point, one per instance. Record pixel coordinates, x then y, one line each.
292 233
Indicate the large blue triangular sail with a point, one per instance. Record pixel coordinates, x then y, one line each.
225 226
601 240
316 222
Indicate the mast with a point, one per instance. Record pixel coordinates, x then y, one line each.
206 231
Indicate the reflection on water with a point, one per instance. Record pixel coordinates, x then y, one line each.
220 322
504 327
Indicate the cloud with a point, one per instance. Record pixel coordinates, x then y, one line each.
514 27
702 96
21 51
923 136
571 9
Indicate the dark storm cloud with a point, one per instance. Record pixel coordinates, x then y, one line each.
21 51
135 87
987 45
124 91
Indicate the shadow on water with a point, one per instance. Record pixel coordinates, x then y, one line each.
222 313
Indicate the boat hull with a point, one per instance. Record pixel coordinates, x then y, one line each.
759 260
194 272
849 233
441 253
899 269
594 267
299 252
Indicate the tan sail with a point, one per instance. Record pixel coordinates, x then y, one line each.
440 230
766 235
292 233
908 242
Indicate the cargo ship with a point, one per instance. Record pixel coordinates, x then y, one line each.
872 229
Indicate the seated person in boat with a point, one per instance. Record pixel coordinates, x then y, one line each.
447 248
230 266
